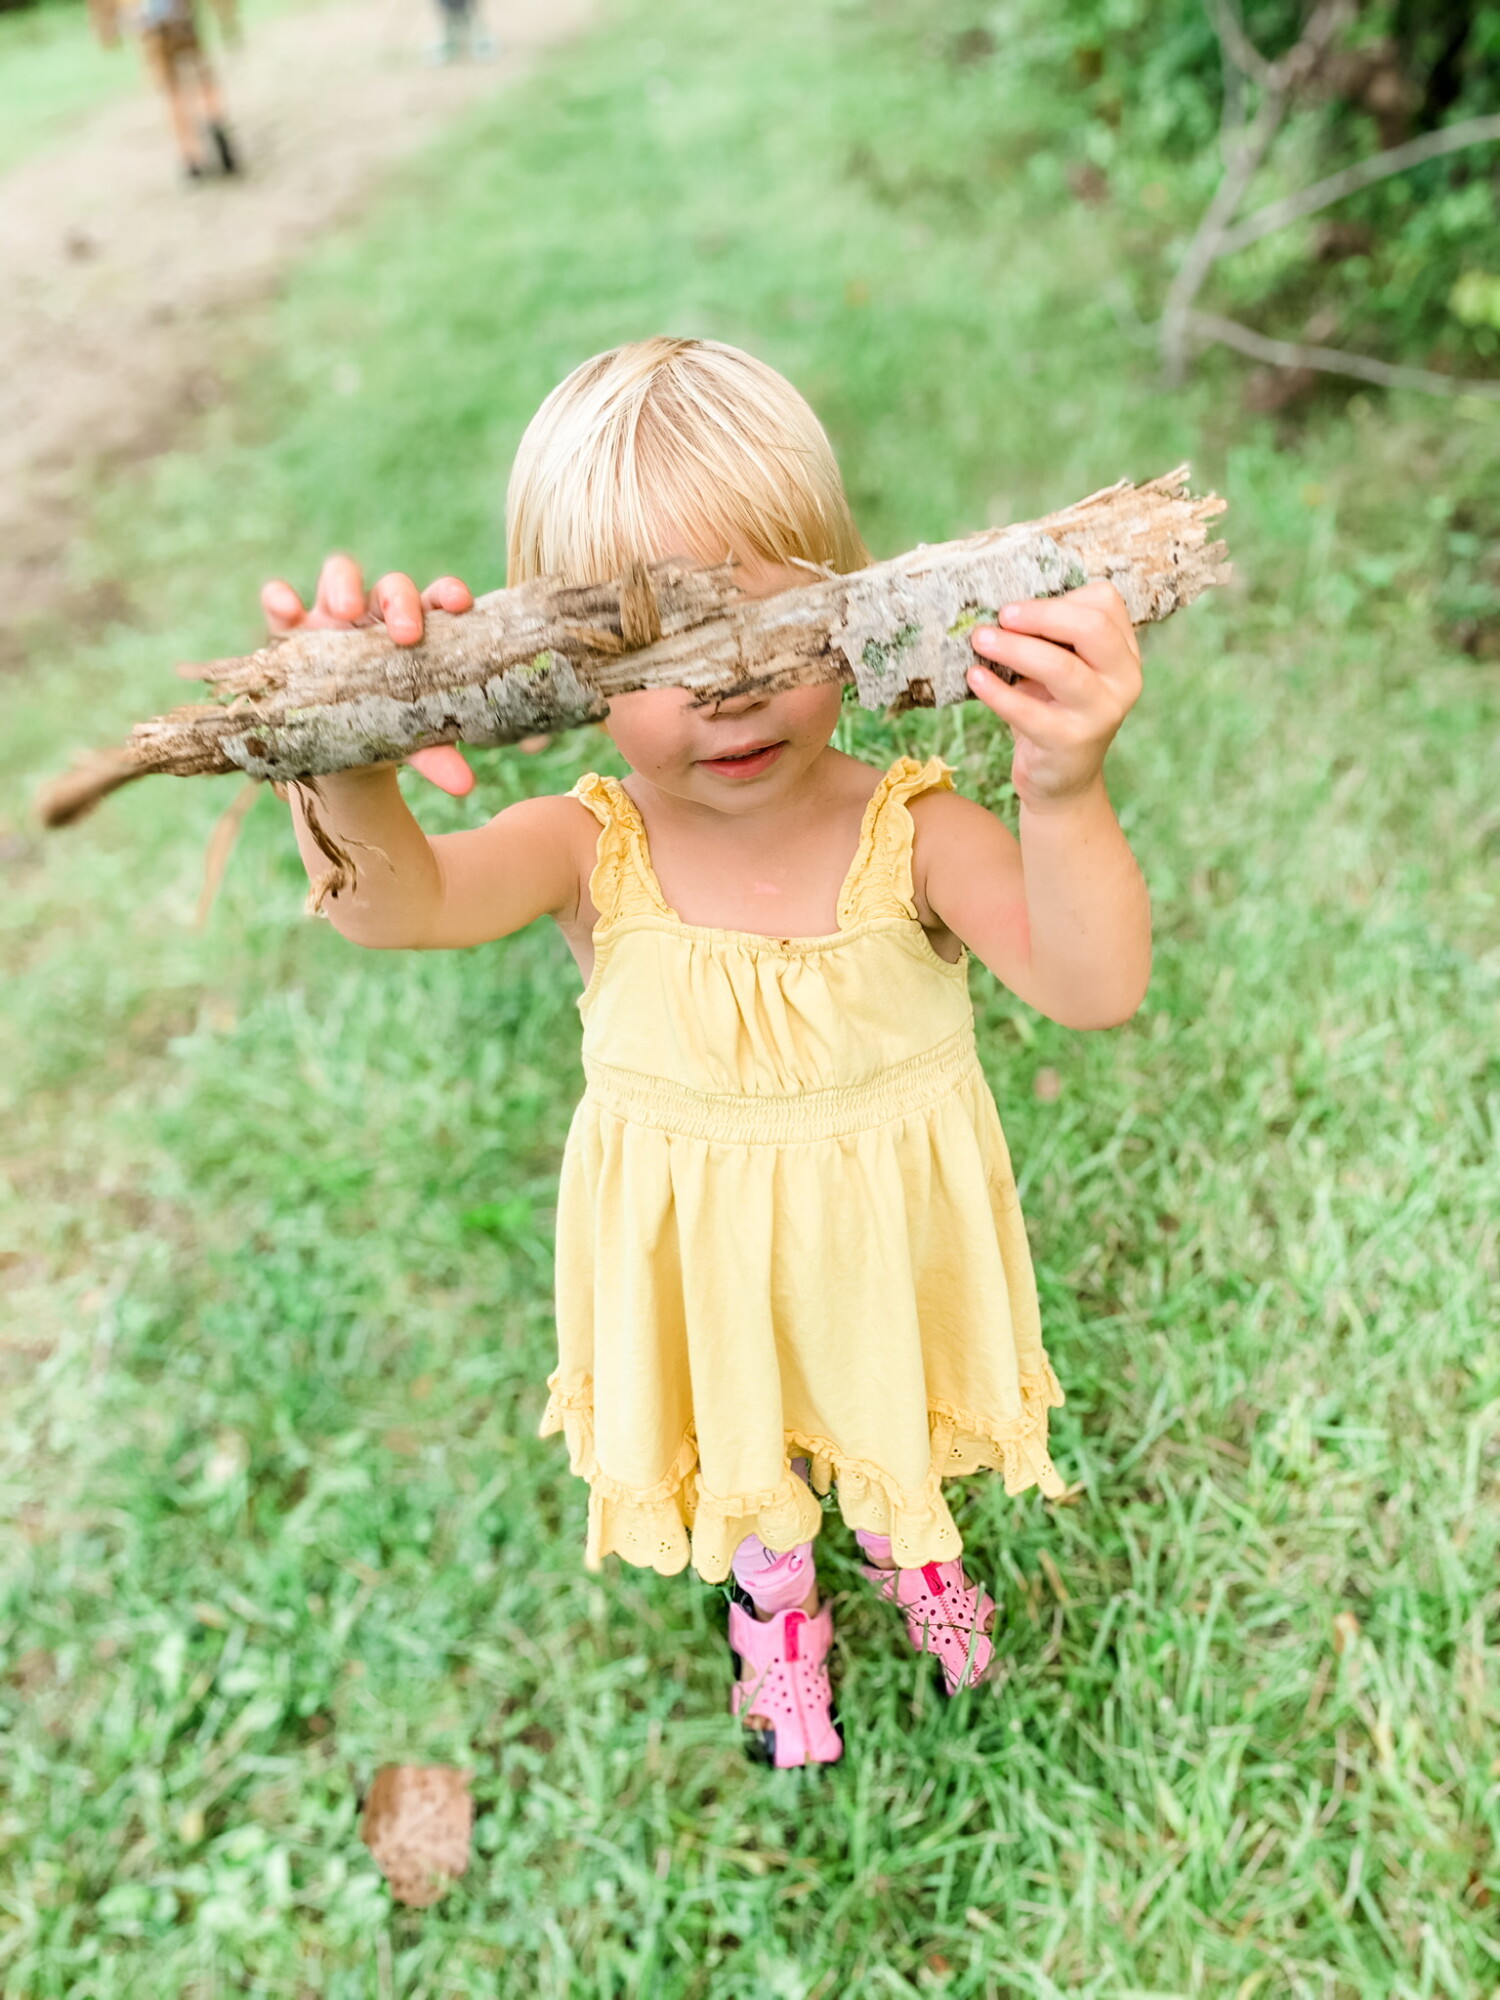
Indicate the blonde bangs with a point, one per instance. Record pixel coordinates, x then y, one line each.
668 441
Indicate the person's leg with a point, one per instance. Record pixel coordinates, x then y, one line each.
481 41
778 1582
165 66
783 1694
946 1615
211 101
774 1582
451 13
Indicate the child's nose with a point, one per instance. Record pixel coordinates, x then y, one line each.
741 704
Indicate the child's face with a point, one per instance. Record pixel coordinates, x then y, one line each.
736 755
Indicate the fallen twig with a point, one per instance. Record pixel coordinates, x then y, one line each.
1337 360
1362 174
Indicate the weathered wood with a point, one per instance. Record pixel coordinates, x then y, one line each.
544 656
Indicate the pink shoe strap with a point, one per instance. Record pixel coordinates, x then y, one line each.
784 1661
791 1638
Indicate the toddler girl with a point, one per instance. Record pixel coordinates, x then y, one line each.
789 1252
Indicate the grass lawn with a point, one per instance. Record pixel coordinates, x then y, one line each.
276 1216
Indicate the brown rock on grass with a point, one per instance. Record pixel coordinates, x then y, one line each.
416 1822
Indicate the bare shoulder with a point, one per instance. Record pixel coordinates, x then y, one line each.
940 817
560 825
560 815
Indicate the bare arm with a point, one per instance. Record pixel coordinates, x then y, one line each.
1062 915
419 892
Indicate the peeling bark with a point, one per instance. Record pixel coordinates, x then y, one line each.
546 656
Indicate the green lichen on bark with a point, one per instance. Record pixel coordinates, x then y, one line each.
879 656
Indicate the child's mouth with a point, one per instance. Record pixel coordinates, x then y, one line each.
744 763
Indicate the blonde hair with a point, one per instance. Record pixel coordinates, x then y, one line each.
664 439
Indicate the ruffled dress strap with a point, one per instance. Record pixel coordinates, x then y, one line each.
879 884
623 882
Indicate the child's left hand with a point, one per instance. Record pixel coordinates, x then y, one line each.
1081 676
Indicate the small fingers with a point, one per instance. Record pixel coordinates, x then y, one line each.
1110 602
1044 721
395 600
448 593
1058 672
1106 597
341 591
1094 624
282 606
446 767
1102 597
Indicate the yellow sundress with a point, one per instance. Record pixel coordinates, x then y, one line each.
787 1224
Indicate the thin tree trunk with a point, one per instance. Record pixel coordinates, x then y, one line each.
545 656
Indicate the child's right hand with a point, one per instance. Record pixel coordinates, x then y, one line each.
396 603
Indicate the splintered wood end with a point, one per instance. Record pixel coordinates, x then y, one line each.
92 778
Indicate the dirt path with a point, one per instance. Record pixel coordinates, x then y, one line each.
126 289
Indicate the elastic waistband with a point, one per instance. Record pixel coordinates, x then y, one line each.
802 1116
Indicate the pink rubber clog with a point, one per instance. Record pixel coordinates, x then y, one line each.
946 1616
785 1663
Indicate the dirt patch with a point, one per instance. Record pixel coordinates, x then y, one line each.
127 289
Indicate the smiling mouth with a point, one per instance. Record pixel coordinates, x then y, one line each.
758 758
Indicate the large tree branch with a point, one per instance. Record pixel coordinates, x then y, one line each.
546 656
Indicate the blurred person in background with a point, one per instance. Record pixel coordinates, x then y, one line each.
177 60
463 33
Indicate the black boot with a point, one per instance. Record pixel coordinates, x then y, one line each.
227 159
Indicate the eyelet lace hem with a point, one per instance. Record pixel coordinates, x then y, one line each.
677 1521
